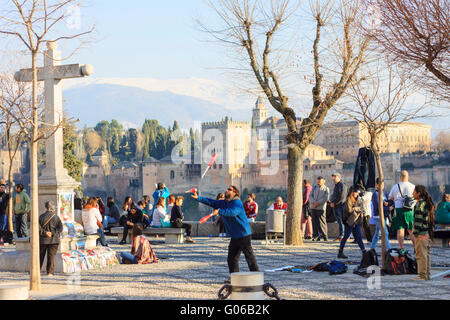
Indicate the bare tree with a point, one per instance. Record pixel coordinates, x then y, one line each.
251 27
34 23
379 103
12 96
416 35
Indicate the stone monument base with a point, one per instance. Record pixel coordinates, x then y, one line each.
71 262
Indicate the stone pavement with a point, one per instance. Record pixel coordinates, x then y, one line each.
197 271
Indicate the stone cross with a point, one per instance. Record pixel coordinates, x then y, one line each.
54 180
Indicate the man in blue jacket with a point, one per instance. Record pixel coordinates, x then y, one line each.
232 211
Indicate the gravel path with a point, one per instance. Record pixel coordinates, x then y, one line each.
197 271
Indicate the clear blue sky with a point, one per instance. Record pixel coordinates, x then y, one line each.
142 38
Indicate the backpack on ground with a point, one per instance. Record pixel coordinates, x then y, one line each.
7 236
411 264
395 262
337 267
369 258
321 267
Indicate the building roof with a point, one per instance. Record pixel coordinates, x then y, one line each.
151 160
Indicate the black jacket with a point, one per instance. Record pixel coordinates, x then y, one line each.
176 215
364 169
339 194
54 225
4 198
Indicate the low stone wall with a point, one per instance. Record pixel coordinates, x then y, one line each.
258 228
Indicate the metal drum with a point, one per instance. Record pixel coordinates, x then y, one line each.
275 221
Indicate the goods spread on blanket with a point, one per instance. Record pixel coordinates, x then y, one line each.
73 230
81 260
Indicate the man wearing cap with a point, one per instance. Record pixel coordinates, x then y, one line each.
319 198
50 228
337 202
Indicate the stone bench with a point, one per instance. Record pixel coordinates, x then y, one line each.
442 238
171 235
66 244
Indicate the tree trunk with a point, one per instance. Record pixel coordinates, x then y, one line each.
380 204
35 274
295 197
10 201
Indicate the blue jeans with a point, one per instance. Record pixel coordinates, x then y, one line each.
102 238
356 230
109 220
339 211
3 222
376 236
128 256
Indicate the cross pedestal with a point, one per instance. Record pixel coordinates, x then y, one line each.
55 184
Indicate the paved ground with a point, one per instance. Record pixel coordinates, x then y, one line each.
197 271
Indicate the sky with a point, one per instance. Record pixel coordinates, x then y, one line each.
148 38
151 39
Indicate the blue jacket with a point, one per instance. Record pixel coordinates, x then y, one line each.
233 215
165 193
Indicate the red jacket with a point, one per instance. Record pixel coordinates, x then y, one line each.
277 207
251 209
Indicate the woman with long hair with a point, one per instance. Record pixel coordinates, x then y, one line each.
159 213
352 218
141 250
423 230
92 221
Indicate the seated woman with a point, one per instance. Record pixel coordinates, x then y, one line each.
92 221
141 251
134 216
443 210
159 213
177 218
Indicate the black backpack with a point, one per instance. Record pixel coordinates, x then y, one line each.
369 258
396 263
411 264
331 217
7 236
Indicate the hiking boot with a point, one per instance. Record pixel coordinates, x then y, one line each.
419 279
341 255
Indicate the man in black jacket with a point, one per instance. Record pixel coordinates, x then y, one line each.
337 200
50 229
4 199
177 217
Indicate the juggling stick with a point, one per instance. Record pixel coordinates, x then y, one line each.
204 219
213 159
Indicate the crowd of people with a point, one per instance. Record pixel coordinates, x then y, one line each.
408 210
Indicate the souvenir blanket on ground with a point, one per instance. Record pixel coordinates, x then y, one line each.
82 260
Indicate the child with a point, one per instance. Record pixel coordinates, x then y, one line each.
423 230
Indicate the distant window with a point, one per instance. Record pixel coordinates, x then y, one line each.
172 175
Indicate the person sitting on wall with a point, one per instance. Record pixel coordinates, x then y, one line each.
134 216
92 221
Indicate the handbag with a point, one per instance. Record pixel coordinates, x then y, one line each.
165 223
408 202
354 217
